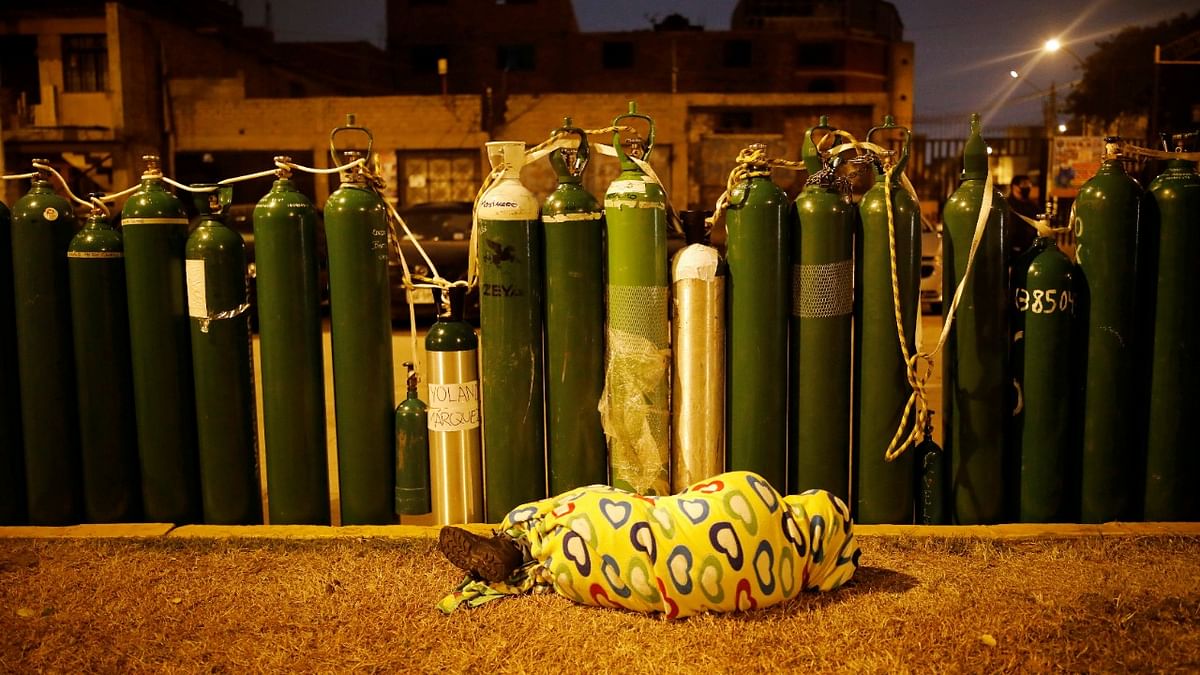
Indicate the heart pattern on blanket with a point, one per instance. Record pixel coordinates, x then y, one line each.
765 492
612 574
764 567
576 550
642 539
679 566
744 598
725 540
696 510
738 508
617 513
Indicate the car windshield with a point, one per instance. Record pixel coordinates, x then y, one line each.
438 224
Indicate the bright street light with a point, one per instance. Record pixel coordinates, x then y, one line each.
1062 128
1013 74
1052 45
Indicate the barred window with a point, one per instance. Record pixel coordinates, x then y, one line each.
85 62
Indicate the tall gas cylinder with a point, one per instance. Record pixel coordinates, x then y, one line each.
573 240
42 227
822 258
758 248
154 231
1044 431
510 318
635 413
975 366
289 332
884 490
412 451
698 338
1106 232
1172 447
12 454
215 260
112 488
455 445
356 232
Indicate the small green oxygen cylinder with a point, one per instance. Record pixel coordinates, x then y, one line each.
412 451
636 413
42 227
975 376
293 377
455 445
698 340
1172 446
884 490
112 489
821 319
1044 430
12 457
1106 229
356 231
759 222
510 318
154 231
573 240
215 260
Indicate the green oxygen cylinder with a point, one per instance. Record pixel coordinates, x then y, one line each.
154 231
42 227
573 241
356 231
1172 448
1044 429
636 412
510 318
12 457
821 320
215 261
975 376
884 490
112 488
1106 232
455 445
293 378
698 278
412 451
759 223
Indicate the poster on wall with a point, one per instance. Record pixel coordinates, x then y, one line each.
1073 160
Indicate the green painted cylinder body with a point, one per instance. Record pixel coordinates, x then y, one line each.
1172 447
1106 231
933 490
976 380
42 227
12 451
759 222
215 260
356 232
293 379
154 231
112 488
884 490
1045 431
412 453
637 383
510 320
821 321
573 240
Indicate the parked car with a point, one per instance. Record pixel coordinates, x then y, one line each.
931 268
443 230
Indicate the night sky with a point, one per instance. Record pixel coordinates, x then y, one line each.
965 48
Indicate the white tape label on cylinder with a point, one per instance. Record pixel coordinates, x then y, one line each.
453 406
197 298
624 186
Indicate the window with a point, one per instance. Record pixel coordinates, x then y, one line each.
515 57
439 176
816 55
738 53
85 62
617 55
424 58
735 121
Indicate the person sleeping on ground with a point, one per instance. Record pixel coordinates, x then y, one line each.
726 544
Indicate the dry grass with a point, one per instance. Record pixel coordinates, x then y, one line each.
169 605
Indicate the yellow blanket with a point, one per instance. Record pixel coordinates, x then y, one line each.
726 544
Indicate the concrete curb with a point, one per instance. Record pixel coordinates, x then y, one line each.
991 532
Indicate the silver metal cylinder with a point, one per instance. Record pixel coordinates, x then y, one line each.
455 448
698 394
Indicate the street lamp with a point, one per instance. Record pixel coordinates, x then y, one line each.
1054 45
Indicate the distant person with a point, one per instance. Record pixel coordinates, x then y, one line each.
1020 200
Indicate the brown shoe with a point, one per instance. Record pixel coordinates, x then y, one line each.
492 558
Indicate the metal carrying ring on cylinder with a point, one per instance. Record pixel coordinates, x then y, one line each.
349 126
582 152
627 164
889 124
